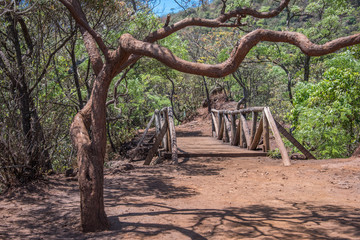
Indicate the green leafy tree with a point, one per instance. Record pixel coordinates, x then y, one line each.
326 114
107 64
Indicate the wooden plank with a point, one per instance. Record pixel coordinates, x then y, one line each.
156 145
174 157
257 137
266 133
215 124
244 154
221 128
279 142
254 116
246 129
302 149
227 129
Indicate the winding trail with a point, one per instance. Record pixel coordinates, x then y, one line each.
201 198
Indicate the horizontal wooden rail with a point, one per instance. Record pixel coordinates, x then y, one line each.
165 134
246 110
231 126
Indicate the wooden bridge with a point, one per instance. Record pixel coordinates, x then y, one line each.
232 136
202 146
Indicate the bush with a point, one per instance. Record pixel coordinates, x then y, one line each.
326 114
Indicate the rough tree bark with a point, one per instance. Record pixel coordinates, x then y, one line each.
91 146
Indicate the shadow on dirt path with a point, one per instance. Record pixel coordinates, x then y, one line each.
298 221
198 199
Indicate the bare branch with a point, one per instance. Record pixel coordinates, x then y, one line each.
223 7
167 20
91 38
5 65
116 95
218 22
27 37
49 61
180 5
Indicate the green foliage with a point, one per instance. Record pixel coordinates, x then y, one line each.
274 153
326 114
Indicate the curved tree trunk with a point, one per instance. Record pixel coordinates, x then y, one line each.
91 180
91 151
91 155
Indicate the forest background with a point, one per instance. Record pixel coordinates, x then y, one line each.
46 76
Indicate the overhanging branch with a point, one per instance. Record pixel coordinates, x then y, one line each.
188 22
164 55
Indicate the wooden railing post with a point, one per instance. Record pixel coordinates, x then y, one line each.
254 116
221 126
171 130
237 134
157 121
256 140
233 129
163 120
245 129
227 129
165 134
266 135
279 142
168 140
215 125
242 133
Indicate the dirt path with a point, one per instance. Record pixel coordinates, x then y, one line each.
201 198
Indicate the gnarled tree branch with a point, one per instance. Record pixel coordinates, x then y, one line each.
164 55
214 23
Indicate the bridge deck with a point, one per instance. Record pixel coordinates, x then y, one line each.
203 146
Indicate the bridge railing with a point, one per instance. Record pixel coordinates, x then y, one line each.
165 135
232 127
